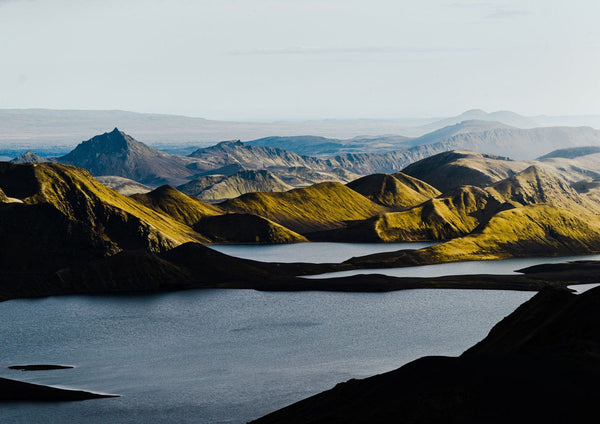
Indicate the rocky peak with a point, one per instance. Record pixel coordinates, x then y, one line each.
29 157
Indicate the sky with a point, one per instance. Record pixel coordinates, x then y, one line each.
301 59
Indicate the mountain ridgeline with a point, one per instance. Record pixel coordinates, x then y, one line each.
479 206
217 172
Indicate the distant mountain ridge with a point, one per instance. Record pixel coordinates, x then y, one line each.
120 155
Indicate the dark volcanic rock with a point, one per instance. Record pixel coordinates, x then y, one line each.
40 367
12 391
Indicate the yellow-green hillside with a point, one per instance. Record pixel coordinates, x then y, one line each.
417 185
387 190
535 230
527 231
452 215
535 185
452 169
79 197
183 208
322 206
459 211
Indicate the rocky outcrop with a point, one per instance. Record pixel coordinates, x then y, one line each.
29 157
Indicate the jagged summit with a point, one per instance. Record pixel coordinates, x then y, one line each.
109 142
117 153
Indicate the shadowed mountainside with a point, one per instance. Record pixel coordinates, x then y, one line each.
245 228
539 364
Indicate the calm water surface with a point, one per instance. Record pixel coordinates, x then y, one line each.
229 356
313 252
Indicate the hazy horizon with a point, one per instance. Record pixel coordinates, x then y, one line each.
289 60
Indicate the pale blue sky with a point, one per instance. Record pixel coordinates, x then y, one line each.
288 59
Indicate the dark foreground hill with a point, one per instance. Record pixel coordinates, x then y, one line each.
539 364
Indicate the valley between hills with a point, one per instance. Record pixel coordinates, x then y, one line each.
70 233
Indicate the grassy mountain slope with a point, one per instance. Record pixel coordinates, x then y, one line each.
452 169
536 230
245 228
387 190
453 214
319 207
125 186
185 209
535 185
419 186
458 212
66 216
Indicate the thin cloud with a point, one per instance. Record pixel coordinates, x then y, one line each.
507 14
496 9
345 50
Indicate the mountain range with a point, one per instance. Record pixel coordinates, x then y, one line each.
221 171
60 220
35 128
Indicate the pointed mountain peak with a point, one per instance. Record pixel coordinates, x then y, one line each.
29 157
109 142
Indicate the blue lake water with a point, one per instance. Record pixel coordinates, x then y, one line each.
229 356
312 252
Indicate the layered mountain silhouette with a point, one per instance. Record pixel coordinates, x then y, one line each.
59 217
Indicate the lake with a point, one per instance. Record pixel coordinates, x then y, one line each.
229 356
